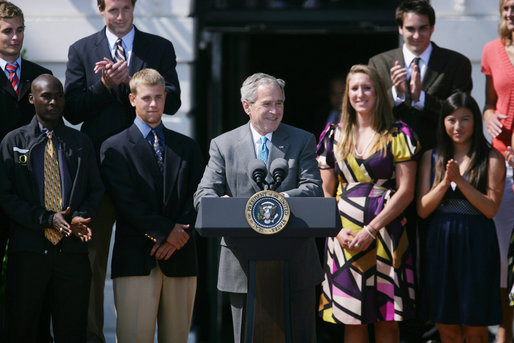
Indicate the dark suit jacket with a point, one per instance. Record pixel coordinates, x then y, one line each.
447 72
148 205
20 194
106 112
16 111
227 173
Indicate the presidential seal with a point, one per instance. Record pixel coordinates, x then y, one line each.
267 212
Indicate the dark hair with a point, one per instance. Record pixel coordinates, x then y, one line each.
419 7
480 147
101 3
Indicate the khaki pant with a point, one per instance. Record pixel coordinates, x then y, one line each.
143 301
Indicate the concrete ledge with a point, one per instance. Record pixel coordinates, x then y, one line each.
41 33
75 8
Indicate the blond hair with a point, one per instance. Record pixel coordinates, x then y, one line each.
8 10
503 29
382 115
148 77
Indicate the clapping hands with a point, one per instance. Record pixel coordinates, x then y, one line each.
113 73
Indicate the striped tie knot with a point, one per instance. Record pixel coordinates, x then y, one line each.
119 53
13 78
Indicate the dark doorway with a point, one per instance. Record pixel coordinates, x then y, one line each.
306 62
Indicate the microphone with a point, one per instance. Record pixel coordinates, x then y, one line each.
279 170
257 170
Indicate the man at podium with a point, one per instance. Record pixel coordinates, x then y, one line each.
227 175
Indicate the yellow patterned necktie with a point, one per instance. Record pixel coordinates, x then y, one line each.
53 197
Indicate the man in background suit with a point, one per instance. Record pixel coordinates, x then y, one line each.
418 89
151 174
420 76
97 86
15 108
226 174
50 187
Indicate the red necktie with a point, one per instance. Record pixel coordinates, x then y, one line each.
13 78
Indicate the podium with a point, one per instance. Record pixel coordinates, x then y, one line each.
268 317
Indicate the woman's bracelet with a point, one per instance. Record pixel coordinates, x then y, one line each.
369 232
373 230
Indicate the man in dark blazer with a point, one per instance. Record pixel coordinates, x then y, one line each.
420 76
226 174
48 263
15 108
418 90
97 76
151 174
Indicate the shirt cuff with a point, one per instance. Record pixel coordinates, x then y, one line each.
397 100
420 104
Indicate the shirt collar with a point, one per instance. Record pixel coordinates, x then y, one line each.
4 62
256 137
127 40
44 130
145 129
408 56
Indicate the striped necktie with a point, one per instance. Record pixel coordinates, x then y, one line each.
13 78
119 53
53 197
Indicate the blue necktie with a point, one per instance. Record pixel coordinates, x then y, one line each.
263 151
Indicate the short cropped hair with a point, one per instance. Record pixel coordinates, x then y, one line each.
101 3
419 7
147 77
252 82
8 10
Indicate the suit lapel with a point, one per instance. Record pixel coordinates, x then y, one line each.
145 162
434 67
138 50
398 56
102 47
26 76
6 86
172 164
101 50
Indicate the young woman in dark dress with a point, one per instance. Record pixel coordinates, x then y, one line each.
460 189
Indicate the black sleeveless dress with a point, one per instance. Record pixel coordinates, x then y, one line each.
462 264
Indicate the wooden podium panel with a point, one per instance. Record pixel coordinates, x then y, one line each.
269 323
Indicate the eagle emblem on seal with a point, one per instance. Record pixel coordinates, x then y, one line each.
267 212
